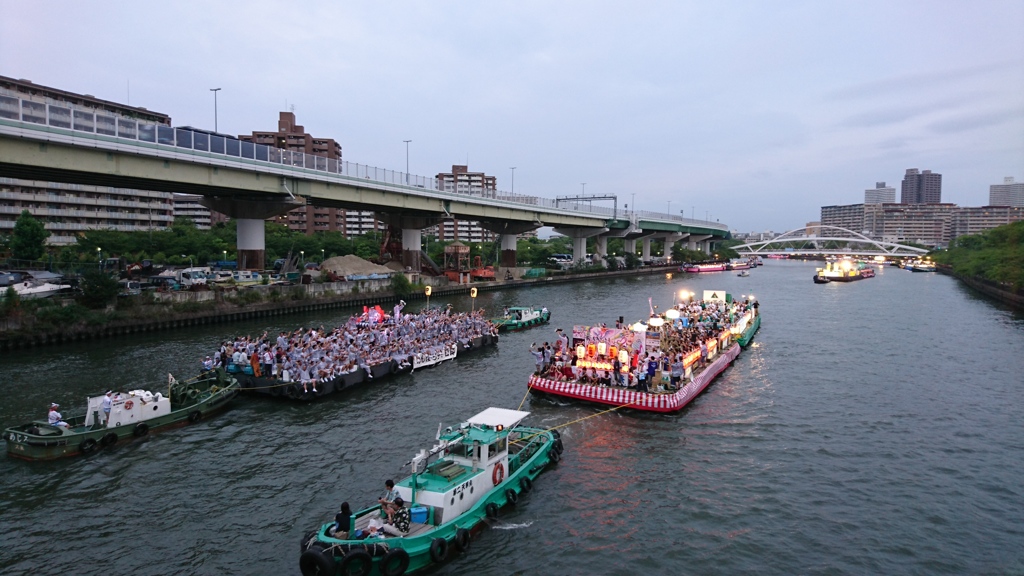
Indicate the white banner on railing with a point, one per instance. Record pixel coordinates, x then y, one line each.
430 358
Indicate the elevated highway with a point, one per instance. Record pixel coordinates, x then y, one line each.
252 182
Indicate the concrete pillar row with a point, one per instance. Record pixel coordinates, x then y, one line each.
669 243
411 239
601 246
629 246
647 250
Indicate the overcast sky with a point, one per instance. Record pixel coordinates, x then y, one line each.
757 113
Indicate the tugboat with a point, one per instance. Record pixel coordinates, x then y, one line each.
132 415
480 466
518 318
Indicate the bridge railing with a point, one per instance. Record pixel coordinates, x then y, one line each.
52 116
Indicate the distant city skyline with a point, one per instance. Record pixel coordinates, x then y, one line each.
753 115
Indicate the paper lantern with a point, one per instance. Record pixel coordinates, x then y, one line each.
672 314
639 327
602 348
624 358
591 349
580 351
613 352
656 322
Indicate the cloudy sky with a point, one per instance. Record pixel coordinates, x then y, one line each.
755 113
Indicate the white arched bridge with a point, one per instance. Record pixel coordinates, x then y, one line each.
837 241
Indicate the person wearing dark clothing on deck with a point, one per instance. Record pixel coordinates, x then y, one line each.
342 521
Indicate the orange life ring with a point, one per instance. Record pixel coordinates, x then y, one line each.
128 405
499 473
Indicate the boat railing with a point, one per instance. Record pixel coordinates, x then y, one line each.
525 448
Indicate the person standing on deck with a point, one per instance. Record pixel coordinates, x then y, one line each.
105 406
538 356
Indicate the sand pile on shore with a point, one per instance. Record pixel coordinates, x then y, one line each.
353 265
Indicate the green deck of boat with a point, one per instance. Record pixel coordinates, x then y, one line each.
440 477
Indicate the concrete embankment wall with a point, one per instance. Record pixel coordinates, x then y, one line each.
310 297
987 288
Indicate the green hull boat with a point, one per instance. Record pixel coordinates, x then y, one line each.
520 318
748 333
133 414
447 498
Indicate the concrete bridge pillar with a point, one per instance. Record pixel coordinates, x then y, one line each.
251 216
579 240
579 249
601 246
509 231
508 250
670 242
629 246
696 242
411 242
647 250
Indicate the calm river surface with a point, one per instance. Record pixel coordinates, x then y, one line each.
872 428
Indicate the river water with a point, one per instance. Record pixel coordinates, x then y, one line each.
872 428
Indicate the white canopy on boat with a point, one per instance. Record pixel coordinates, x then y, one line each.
493 417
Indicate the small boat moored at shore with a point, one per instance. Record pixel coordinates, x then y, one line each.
473 470
132 415
519 317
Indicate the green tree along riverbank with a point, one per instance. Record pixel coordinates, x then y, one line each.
993 259
996 255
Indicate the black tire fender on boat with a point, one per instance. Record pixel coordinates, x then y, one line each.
554 456
526 484
356 563
292 391
462 539
87 446
307 539
394 563
558 445
556 434
491 510
438 550
195 416
394 370
141 429
317 562
109 439
511 496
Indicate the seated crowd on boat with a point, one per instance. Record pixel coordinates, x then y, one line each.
683 334
312 355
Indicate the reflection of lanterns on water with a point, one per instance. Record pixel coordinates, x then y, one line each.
581 351
672 314
602 348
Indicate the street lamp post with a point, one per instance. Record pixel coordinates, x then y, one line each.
303 254
189 260
323 255
215 90
669 207
99 257
583 188
406 161
513 169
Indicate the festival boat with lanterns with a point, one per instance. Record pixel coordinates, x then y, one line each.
844 270
520 317
597 348
133 414
471 473
705 267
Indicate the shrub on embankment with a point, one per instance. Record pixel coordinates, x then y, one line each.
996 255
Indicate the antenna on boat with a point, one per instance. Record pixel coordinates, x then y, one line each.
438 436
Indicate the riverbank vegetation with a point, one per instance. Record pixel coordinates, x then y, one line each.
995 255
